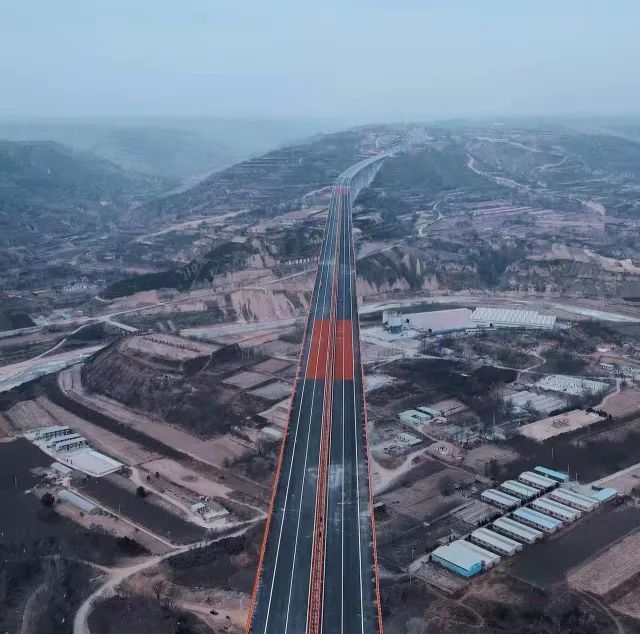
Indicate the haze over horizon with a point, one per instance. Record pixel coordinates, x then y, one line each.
288 59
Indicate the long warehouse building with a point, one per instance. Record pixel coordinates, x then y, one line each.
555 509
574 500
537 520
495 542
517 530
489 317
537 481
519 490
500 499
552 473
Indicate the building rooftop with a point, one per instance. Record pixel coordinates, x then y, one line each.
50 430
457 553
571 384
582 500
61 468
499 496
441 320
605 494
92 462
543 403
428 410
495 539
556 507
537 517
62 439
72 440
415 416
485 555
508 524
77 501
538 479
522 489
512 317
556 475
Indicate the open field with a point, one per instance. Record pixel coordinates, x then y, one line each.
603 574
622 404
421 499
624 481
141 511
113 526
478 457
143 615
187 478
630 604
29 415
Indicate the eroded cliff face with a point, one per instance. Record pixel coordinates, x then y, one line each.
410 270
565 277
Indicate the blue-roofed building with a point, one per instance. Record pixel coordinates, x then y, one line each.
537 520
457 559
550 473
464 558
604 495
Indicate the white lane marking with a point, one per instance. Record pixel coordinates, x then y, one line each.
315 513
342 183
344 356
355 426
295 440
324 563
324 305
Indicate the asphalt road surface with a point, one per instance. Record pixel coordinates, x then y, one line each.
317 571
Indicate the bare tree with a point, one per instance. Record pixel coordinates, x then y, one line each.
158 588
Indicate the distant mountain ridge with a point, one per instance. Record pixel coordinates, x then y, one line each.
57 170
178 149
49 189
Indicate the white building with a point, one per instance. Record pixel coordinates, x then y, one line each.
575 385
500 499
555 509
537 481
71 445
415 418
542 403
55 431
486 317
516 530
495 542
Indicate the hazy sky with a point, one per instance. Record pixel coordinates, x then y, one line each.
358 59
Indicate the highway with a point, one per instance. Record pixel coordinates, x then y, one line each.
317 570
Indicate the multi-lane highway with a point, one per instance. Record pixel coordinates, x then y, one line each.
317 570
